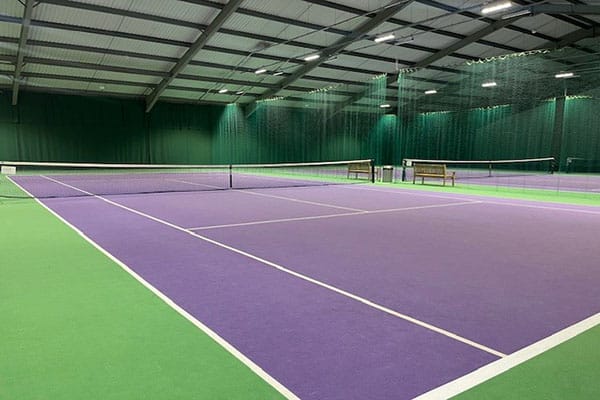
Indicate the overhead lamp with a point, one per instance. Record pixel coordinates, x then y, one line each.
260 71
489 84
223 91
498 6
240 92
385 106
432 91
520 13
564 75
278 73
384 38
312 57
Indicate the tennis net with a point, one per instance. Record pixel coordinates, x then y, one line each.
477 169
47 180
582 165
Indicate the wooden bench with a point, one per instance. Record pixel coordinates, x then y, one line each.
432 171
360 168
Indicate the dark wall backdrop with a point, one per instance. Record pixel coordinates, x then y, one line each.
47 127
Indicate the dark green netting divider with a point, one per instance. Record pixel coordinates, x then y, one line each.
313 127
520 106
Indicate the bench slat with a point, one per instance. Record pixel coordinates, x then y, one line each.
432 171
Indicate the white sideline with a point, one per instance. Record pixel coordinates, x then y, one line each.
497 367
209 332
297 274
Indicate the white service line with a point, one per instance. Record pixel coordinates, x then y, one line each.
315 203
273 221
246 191
297 275
405 192
195 183
497 367
575 210
209 332
483 200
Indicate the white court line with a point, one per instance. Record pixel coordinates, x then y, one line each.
300 201
483 200
297 275
196 184
273 221
497 367
314 203
209 332
404 192
575 210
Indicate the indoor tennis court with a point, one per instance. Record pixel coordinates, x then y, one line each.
299 199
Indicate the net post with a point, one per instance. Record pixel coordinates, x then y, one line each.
372 171
490 169
230 176
404 170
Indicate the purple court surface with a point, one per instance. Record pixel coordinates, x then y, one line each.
281 274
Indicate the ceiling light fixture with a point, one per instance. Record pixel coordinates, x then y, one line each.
385 106
278 73
521 13
564 75
312 57
494 7
223 91
260 71
240 92
489 84
384 38
432 91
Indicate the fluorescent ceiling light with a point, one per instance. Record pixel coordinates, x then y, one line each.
521 13
240 92
278 73
385 38
223 91
564 75
312 57
489 84
260 71
492 8
385 106
432 91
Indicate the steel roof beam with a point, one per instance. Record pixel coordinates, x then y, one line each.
330 51
150 17
205 36
152 39
403 23
25 24
564 9
475 36
573 37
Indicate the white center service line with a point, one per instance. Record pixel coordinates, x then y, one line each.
306 278
315 203
388 210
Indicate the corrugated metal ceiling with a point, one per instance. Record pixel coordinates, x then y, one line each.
138 42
